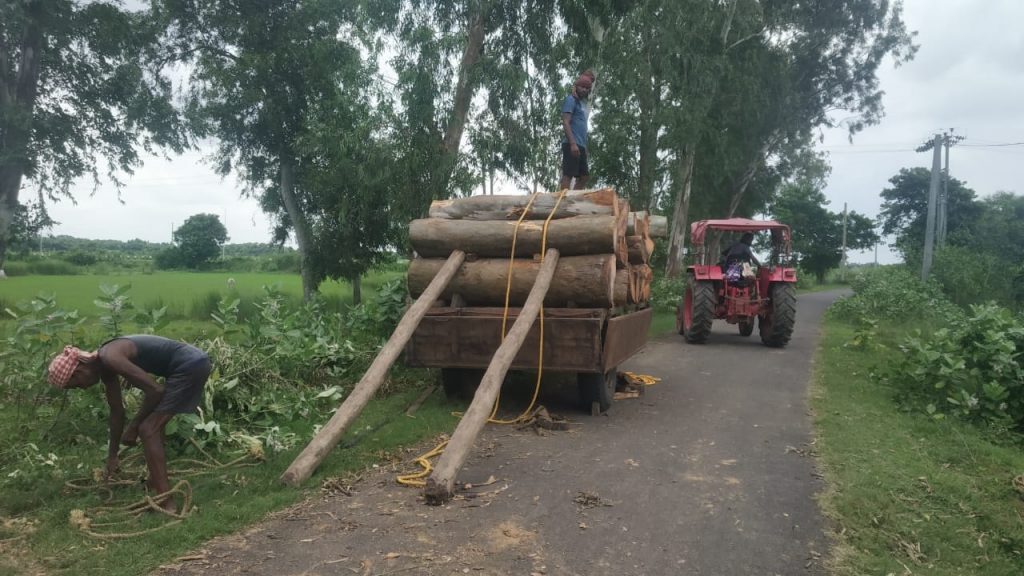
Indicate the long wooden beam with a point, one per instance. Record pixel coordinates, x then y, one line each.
325 440
441 483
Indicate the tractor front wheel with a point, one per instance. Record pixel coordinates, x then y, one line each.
776 327
698 311
746 326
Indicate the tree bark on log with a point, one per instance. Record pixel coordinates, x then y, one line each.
599 202
583 281
436 237
441 482
637 224
657 227
328 436
622 293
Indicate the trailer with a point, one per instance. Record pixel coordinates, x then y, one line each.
589 342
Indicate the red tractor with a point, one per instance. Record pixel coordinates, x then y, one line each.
769 296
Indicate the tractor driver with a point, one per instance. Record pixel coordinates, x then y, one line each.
740 251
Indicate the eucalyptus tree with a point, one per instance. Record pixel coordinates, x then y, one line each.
83 90
263 72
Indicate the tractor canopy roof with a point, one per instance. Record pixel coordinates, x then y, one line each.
698 230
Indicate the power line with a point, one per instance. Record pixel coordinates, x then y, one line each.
994 145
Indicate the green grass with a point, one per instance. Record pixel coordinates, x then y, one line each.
226 502
908 493
186 294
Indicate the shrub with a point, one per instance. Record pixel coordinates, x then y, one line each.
666 293
892 293
971 277
40 267
974 369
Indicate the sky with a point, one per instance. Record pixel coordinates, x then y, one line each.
968 75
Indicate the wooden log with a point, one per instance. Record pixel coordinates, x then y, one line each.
441 483
328 436
637 223
602 201
623 290
658 227
582 281
637 247
437 237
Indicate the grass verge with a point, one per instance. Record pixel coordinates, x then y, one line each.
909 494
36 536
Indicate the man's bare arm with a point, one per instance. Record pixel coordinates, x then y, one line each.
112 390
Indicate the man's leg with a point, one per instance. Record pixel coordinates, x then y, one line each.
570 167
582 169
581 182
151 432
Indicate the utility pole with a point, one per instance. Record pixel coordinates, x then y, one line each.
843 262
948 140
933 192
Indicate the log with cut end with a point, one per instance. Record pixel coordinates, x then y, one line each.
637 223
437 237
582 281
638 250
601 202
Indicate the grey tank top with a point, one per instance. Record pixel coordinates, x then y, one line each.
161 356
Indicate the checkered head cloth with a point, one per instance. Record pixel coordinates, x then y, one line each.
63 366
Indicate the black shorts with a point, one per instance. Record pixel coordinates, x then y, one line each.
183 390
574 167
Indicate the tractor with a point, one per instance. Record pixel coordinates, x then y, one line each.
769 297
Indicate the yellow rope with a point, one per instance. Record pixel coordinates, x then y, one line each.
540 350
641 379
416 479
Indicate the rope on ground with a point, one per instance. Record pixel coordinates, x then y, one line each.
116 513
634 379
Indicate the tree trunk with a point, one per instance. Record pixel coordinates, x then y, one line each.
677 240
300 225
435 237
580 281
18 103
328 436
441 483
504 207
740 187
357 288
471 54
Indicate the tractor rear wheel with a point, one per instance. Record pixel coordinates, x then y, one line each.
746 327
776 327
698 311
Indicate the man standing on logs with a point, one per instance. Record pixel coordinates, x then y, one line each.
575 114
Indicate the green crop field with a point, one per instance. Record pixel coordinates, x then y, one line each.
186 294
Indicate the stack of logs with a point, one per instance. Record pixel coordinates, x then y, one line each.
604 249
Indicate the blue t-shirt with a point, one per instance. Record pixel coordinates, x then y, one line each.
578 123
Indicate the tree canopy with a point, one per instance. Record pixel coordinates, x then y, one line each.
83 91
199 239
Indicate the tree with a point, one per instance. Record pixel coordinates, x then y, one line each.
818 232
905 208
79 81
199 239
29 221
263 69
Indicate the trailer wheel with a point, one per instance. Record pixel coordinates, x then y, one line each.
597 390
460 383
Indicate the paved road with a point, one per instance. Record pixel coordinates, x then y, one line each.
707 474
